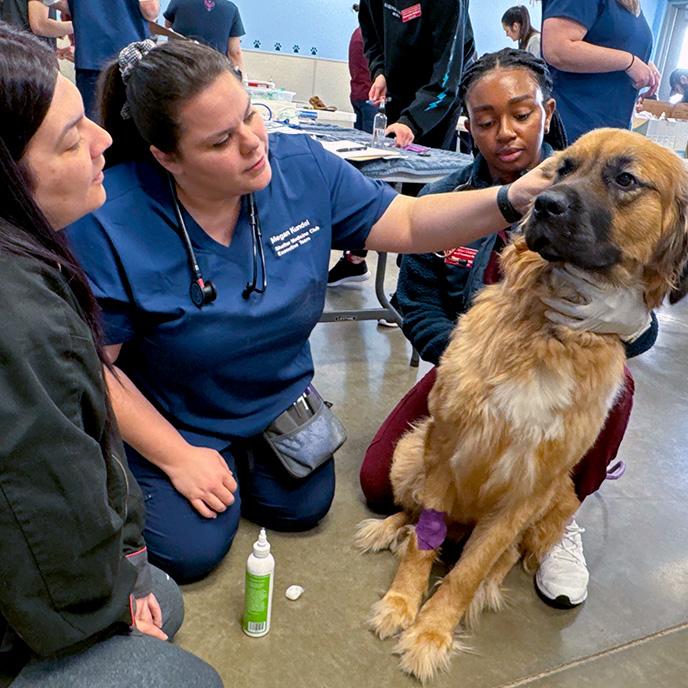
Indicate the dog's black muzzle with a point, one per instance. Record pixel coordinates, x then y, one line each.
566 226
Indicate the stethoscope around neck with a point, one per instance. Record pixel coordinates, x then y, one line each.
203 292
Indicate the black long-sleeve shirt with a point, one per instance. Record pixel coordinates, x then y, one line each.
422 48
71 513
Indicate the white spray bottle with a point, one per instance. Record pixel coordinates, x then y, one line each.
260 573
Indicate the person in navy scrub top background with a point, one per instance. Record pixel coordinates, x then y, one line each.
101 30
598 52
214 22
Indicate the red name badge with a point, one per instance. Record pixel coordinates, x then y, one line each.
462 256
410 13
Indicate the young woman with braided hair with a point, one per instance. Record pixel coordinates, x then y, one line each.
514 125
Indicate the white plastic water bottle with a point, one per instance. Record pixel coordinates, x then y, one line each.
260 573
379 126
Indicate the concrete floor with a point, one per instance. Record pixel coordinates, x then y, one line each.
632 632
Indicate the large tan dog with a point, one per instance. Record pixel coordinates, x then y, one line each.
518 400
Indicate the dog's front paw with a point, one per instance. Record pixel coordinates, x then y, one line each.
425 651
393 613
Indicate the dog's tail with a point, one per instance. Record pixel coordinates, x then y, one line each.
376 534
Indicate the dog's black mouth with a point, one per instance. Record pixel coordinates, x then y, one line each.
542 246
551 256
582 249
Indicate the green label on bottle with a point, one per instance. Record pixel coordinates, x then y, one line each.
256 604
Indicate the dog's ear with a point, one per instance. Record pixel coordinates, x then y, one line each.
667 271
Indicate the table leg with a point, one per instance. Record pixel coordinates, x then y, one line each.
386 311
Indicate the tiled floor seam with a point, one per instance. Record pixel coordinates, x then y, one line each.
591 658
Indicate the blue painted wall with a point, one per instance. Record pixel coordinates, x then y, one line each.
323 27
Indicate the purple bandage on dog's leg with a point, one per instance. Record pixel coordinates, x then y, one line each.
431 529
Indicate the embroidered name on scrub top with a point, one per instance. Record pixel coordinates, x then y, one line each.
462 256
410 13
292 238
394 11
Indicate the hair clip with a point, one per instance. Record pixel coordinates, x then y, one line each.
131 55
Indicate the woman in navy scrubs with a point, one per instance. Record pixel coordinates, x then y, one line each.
598 52
196 386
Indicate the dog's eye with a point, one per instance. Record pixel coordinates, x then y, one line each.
625 180
565 168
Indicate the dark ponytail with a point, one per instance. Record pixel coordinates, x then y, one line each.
509 58
520 15
28 74
161 82
675 77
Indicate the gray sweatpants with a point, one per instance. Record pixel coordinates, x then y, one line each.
124 661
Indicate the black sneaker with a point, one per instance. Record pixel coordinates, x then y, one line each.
346 271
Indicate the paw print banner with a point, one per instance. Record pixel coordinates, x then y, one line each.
317 28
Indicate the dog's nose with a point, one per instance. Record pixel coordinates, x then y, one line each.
551 203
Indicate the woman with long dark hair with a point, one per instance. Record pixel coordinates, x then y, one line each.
78 599
518 27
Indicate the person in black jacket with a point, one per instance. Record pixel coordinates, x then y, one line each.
417 52
508 99
79 603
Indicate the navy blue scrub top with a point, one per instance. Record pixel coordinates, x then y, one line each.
102 28
229 369
605 99
213 23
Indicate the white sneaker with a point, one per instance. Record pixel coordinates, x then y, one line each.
562 579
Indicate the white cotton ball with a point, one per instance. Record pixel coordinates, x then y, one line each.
293 592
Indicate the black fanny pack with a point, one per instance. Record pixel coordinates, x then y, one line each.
305 435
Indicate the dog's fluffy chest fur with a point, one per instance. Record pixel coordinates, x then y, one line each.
513 391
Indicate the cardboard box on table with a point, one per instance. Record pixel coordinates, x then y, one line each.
670 131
